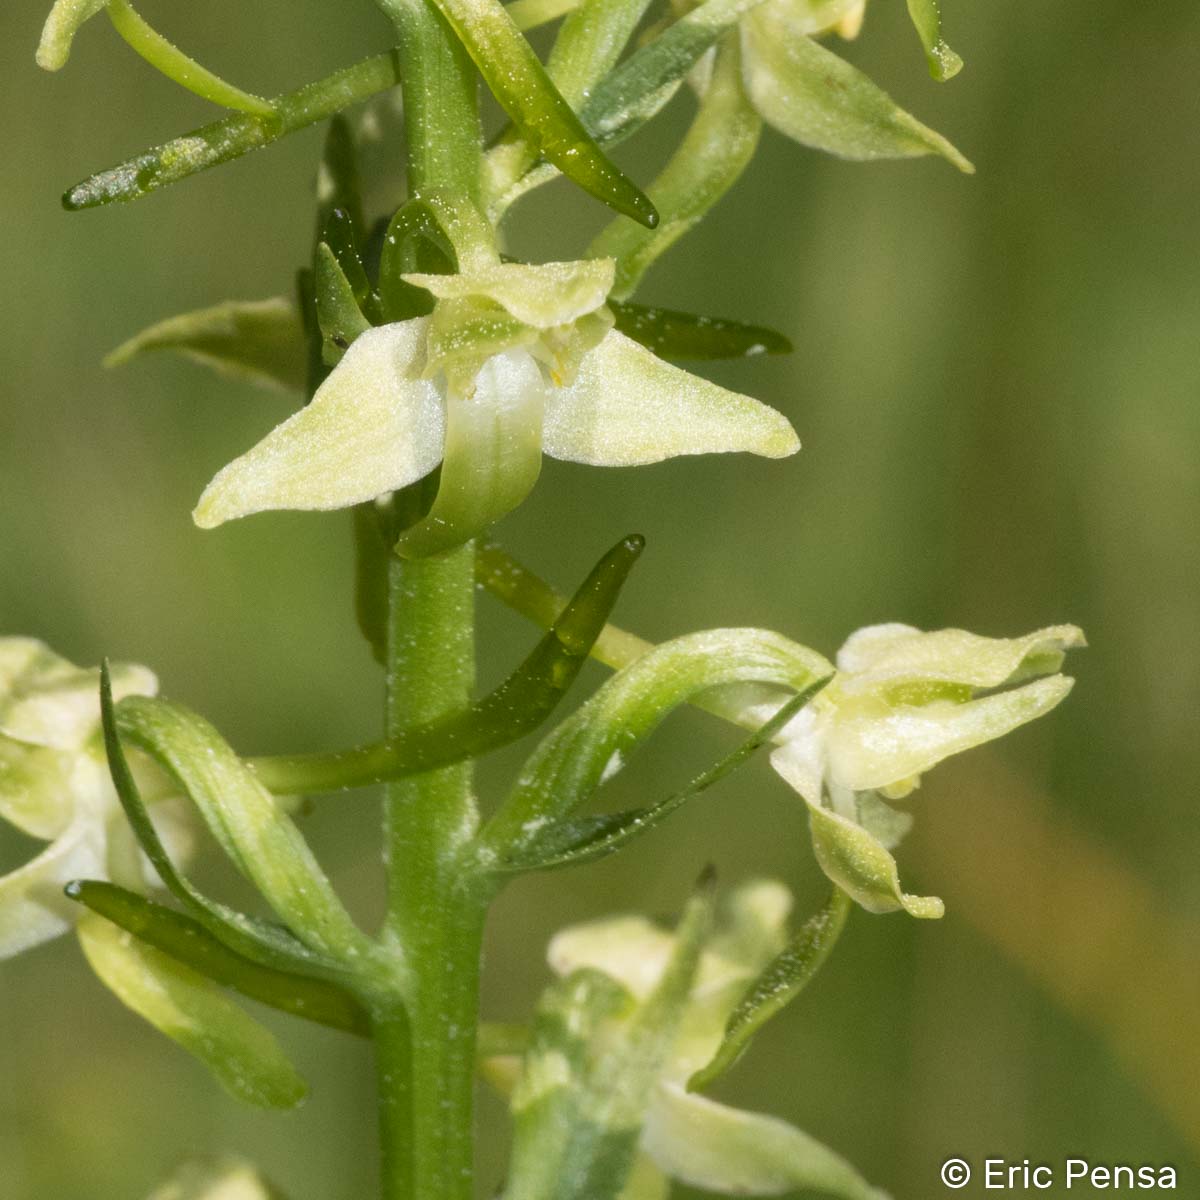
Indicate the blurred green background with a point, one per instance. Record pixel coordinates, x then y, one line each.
996 382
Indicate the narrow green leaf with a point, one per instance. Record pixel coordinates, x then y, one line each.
717 148
342 238
622 102
188 941
255 939
195 1013
516 707
590 838
926 17
816 98
260 341
340 319
644 82
780 982
339 183
595 741
520 83
166 57
679 335
221 141
260 839
590 43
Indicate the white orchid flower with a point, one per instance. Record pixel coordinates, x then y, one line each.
901 702
55 786
684 1136
515 360
813 96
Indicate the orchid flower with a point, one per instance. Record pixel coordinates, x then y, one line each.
683 1136
901 702
515 361
813 96
55 786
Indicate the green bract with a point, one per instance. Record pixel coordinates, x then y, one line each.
515 360
54 786
901 702
613 973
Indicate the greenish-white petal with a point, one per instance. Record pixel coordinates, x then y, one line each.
628 407
373 426
752 923
886 655
60 29
862 868
632 950
874 744
646 1182
811 95
539 294
47 701
194 1012
33 908
35 784
720 1149
215 1179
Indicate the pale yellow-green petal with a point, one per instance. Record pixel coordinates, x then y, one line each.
33 908
194 1012
816 98
752 923
628 407
47 701
874 745
646 1182
373 426
881 655
539 294
862 868
35 785
215 1179
725 1150
59 31
632 950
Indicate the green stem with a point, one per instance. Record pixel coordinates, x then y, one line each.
426 1036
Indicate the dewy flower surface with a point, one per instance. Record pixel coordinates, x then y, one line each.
901 702
683 1136
54 786
520 358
